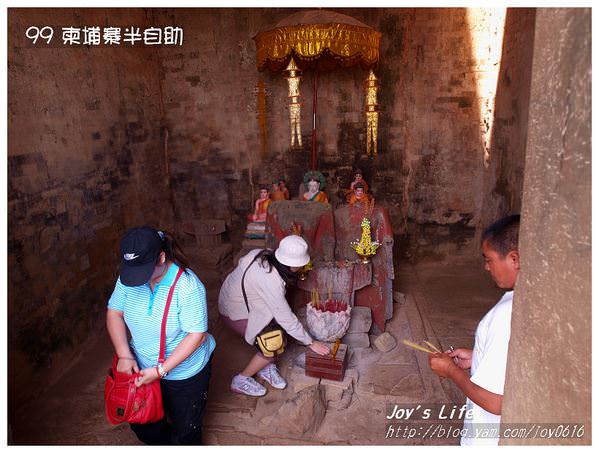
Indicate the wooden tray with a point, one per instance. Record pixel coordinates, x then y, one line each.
324 366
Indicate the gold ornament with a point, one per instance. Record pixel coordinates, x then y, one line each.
293 80
365 248
372 114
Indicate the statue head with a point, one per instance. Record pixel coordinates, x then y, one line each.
263 192
317 176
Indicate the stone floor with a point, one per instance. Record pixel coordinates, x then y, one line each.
444 302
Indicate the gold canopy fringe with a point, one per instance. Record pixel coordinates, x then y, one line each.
344 42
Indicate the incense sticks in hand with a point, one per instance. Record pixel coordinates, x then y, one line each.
422 348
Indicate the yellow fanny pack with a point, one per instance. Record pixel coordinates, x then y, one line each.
271 341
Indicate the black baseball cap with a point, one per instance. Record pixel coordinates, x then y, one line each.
140 248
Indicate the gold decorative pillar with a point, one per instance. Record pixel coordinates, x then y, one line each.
372 114
293 80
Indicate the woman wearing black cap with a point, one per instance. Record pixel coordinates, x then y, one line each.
150 263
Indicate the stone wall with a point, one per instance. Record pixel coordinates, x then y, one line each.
504 172
85 161
548 376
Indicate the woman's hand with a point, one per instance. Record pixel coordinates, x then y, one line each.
127 365
464 357
146 376
319 348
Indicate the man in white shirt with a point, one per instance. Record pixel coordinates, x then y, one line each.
483 387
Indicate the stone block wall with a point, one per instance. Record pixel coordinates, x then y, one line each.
85 162
504 174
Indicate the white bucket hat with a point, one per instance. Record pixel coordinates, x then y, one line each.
293 251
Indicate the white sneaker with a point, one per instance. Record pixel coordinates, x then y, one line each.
271 374
247 386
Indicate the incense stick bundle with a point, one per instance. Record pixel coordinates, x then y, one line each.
432 346
417 347
315 297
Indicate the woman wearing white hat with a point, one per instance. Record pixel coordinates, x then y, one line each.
266 276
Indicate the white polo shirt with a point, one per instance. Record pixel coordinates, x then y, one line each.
489 360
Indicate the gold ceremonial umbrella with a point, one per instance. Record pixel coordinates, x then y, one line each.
321 40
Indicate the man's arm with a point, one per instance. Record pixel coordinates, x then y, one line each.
443 365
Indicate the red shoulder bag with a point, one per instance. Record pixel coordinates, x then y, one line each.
123 400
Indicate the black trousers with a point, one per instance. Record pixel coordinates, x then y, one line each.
184 403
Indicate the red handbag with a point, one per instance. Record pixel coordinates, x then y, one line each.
123 400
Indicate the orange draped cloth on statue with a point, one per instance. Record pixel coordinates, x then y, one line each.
350 192
259 214
353 199
320 196
278 195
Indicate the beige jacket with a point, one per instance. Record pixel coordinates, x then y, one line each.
266 298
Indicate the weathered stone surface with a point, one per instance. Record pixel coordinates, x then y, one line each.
397 380
299 381
385 342
553 300
339 393
300 360
332 393
356 340
361 320
410 385
349 377
299 415
343 402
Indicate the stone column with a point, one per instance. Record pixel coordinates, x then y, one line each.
549 363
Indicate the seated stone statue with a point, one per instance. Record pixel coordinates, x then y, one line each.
314 183
279 191
314 193
261 207
358 178
358 194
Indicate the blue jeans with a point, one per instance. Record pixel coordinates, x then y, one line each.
184 403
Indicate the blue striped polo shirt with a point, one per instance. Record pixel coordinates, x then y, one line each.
143 311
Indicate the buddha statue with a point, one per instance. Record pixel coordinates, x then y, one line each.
261 206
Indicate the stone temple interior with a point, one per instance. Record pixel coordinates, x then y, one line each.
480 113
